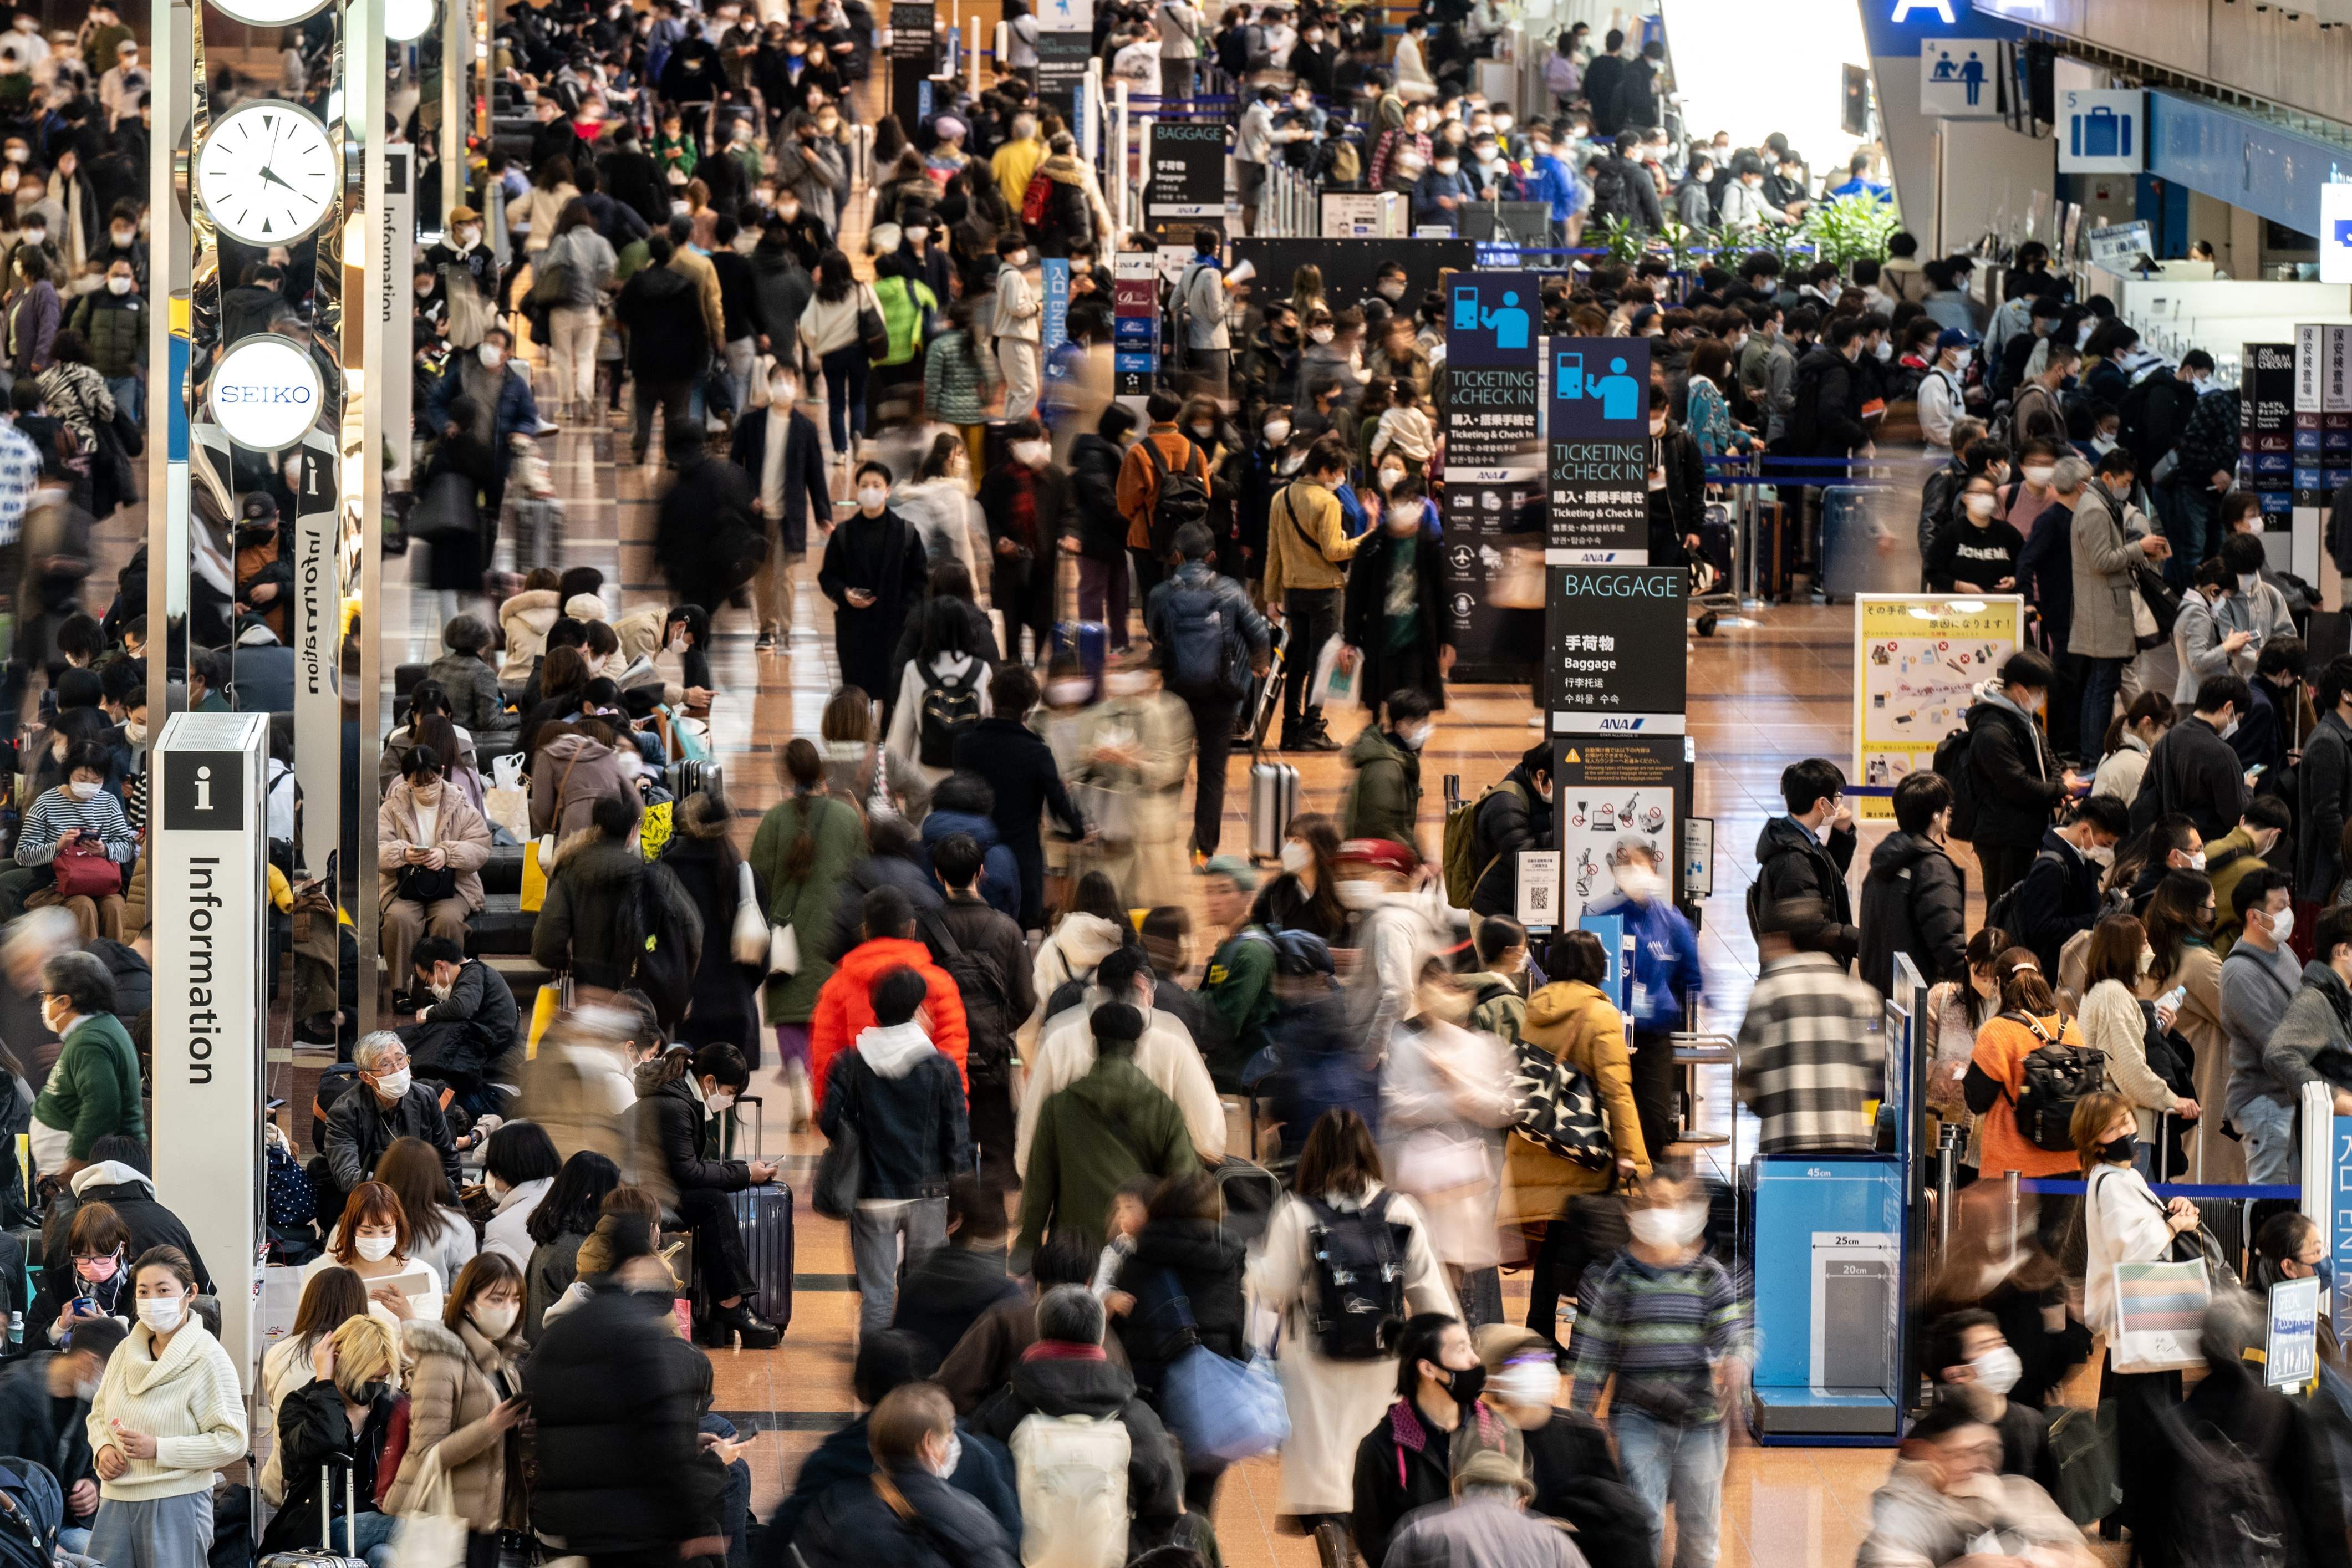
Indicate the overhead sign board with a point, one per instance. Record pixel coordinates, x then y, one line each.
2101 131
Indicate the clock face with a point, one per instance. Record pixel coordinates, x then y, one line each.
267 174
272 13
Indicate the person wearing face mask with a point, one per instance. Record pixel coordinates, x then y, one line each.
432 846
2142 1065
1514 813
679 1137
469 997
2109 544
1383 800
1442 1110
2193 771
1015 327
1805 853
1442 190
1438 1424
83 822
873 571
781 450
1675 1385
1947 1494
917 1504
463 1378
1391 621
111 321
520 1165
1571 1476
44 1402
386 1104
612 1376
501 406
1026 500
1973 1369
1913 896
340 1422
1982 555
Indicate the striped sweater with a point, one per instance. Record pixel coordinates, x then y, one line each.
56 810
189 1402
1661 1331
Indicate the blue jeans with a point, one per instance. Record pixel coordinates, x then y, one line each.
369 1536
1682 1464
2185 515
2102 678
130 394
2268 1128
874 1232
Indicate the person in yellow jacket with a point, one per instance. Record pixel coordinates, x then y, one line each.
1306 555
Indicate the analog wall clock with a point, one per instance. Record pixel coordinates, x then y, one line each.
267 173
272 13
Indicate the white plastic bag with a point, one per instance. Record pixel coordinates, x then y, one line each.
505 773
1331 683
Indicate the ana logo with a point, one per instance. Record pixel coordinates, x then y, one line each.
1942 8
1622 723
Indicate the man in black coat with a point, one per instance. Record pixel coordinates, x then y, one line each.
1600 82
1827 420
1914 897
44 1417
1096 532
2013 774
674 1128
1020 767
629 173
920 1521
2060 892
1026 499
613 1393
669 343
1793 862
2192 769
982 950
1517 814
385 1105
707 540
1050 1384
2322 783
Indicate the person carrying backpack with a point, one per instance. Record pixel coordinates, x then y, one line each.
983 951
1098 1478
1163 484
1339 1339
1307 554
1208 641
2028 1068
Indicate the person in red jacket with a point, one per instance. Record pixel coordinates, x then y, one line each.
845 1007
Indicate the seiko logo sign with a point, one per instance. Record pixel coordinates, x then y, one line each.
266 392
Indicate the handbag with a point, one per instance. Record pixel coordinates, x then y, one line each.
544 1007
534 874
784 950
2156 596
872 333
1558 1110
426 884
2083 1447
2159 1314
431 1533
1217 1405
83 871
750 935
446 510
840 1172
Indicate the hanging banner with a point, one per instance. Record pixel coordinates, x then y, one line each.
1614 640
1065 44
1606 787
1600 465
1186 185
1920 658
1134 322
1053 330
2266 405
1493 468
397 238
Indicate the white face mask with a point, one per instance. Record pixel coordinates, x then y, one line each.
1404 517
1128 682
162 1314
1296 857
1997 1370
1679 1225
1320 334
118 285
870 499
1066 693
2146 959
2283 926
394 1084
1277 431
134 731
951 1458
495 1318
1637 882
1415 738
1978 506
719 1101
441 992
2246 581
1362 894
491 356
1389 477
1529 1384
1032 454
2197 861
2100 855
375 1249
81 789
1449 166
2038 475
469 237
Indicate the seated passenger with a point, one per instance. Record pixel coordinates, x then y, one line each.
77 831
387 1103
431 846
466 674
44 1403
678 1140
335 1425
467 1032
906 1511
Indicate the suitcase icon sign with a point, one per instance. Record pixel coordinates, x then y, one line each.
2102 134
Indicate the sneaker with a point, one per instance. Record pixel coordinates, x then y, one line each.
765 642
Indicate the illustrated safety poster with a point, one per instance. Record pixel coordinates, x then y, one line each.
1919 659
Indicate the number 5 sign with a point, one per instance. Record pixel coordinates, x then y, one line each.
2101 131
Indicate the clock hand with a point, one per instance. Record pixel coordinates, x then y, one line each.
272 176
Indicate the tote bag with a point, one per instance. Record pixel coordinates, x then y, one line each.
749 938
2159 1313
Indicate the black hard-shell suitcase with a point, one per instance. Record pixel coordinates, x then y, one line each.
764 1215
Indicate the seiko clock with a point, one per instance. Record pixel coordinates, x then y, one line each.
272 13
267 173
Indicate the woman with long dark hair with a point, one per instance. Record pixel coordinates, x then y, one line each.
2185 984
565 1219
1305 896
828 330
806 843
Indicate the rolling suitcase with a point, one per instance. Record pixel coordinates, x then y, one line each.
1089 641
764 1215
1254 717
1250 1192
1273 802
326 1556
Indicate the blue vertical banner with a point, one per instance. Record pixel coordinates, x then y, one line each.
2339 1220
1494 460
1600 455
1056 328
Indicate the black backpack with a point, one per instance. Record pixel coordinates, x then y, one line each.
1952 767
1204 652
1358 1260
2056 1077
1183 497
949 708
2005 909
671 937
987 999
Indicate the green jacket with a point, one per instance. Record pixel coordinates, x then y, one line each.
116 331
1239 986
1503 1015
806 904
1384 801
906 303
94 1089
1109 1127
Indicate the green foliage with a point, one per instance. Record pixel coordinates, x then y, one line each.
1623 240
1852 228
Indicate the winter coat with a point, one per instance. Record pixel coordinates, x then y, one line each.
1082 1386
1575 1023
884 556
670 341
1364 625
906 1102
2017 776
2193 770
1383 800
1791 863
474 695
725 1008
131 1195
1401 1464
33 1426
675 1146
851 1523
2322 783
450 1398
1203 1260
805 487
1028 782
458 832
94 1087
1914 900
360 1128
613 1397
1094 481
1913 1524
2106 553
1168 1055
316 1434
949 1290
838 834
983 1473
845 1007
1802 1059
591 924
525 617
569 774
984 931
1111 1125
1510 819
1000 887
2062 897
115 328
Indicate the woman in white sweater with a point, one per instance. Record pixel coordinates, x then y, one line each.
518 1166
168 1413
2124 1222
2114 1025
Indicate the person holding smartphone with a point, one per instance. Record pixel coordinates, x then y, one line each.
464 1398
99 1243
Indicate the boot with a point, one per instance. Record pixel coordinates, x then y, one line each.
725 1323
1332 1547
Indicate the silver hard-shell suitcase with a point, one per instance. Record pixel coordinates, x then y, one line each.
1273 802
326 1557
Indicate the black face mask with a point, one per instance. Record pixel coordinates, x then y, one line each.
1468 1384
2120 1150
